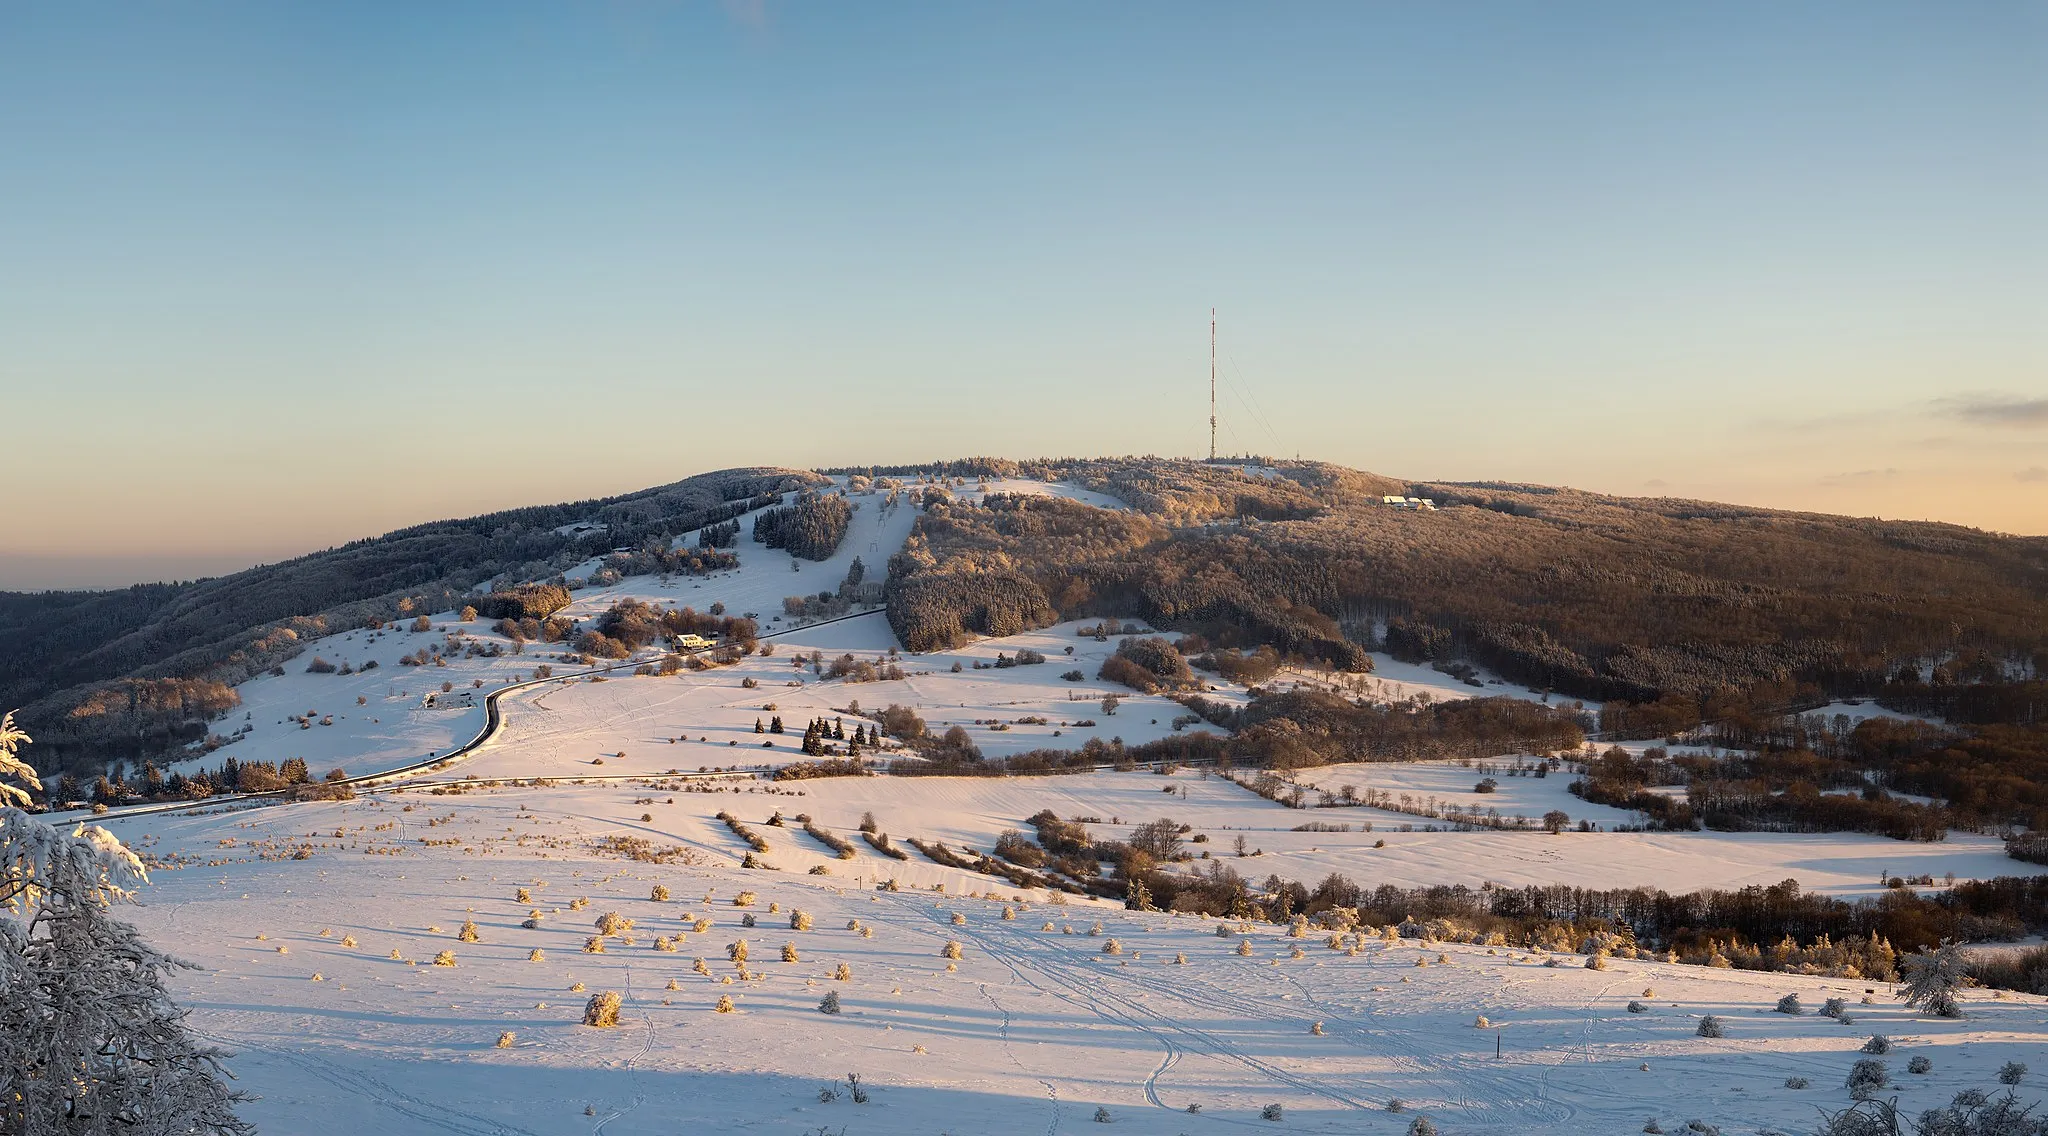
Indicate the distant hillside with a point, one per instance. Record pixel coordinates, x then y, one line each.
1594 596
133 670
1587 595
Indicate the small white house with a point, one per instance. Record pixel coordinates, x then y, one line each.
692 642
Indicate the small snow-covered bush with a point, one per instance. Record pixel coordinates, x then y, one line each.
1482 1022
594 945
736 951
1596 962
743 899
842 973
1421 1126
659 894
348 940
1789 1004
789 953
445 958
1101 1116
613 923
1796 1082
1919 1064
469 933
959 918
830 1003
2012 1072
951 950
1315 1029
1700 1128
724 1005
1710 1026
1112 947
506 1039
1878 1044
1833 1008
1222 930
1635 1007
747 920
537 955
1272 1112
799 920
522 896
1244 947
1868 1073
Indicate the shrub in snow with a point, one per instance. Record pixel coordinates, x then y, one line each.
700 967
1180 958
830 1004
1833 1008
1934 980
531 923
602 1010
842 973
1482 1022
576 989
724 1005
1710 1026
747 920
743 899
1009 912
613 923
799 920
537 955
469 934
1789 1004
1316 1028
1420 1126
1635 1007
1396 1104
1222 930
1919 1065
659 894
1112 947
1795 1082
1653 1127
736 951
1878 1044
522 896
701 926
1244 947
1271 1112
506 1039
348 940
951 950
789 952
594 945
1102 1116
2011 1072
1295 952
959 918
1700 1128
1596 962
1868 1073
664 944
445 958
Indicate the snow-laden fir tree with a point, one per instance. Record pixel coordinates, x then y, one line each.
90 1042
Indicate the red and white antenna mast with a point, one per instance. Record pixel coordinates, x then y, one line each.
1212 384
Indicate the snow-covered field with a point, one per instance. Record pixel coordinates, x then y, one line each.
1033 1032
316 925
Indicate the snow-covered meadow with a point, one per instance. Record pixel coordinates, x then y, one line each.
320 972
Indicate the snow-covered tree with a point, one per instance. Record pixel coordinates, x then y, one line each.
91 1043
1934 980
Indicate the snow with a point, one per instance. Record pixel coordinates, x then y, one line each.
1034 1031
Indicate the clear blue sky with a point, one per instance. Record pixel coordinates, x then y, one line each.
275 276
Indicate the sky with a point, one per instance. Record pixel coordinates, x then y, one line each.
277 276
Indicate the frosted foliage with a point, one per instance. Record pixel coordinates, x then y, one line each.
12 768
90 1041
1934 979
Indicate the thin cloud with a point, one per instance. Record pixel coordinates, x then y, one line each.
1859 477
1996 410
751 14
2032 473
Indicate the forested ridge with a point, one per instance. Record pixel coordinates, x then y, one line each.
133 670
1590 596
